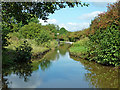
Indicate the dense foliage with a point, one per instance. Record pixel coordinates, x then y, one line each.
31 30
39 32
106 46
5 31
106 19
23 52
105 40
75 36
63 31
24 11
43 37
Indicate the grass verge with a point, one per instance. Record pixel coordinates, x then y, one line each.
38 50
80 48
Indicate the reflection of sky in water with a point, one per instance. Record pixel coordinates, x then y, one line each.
63 73
59 70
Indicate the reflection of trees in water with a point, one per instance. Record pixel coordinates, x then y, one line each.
52 55
23 70
63 48
100 76
44 64
5 83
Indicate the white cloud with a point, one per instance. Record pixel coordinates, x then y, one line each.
80 26
49 21
89 16
74 26
99 0
70 26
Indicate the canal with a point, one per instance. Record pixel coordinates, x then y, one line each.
58 69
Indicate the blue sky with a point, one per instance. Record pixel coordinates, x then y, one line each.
78 18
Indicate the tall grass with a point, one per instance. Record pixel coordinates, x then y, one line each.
80 47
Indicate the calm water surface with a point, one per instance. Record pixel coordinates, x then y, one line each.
59 70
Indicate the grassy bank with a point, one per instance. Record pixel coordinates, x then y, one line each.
37 52
80 48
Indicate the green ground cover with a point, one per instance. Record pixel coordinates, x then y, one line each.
80 47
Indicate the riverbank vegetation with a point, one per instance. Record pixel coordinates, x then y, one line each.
32 42
104 38
21 30
80 48
29 39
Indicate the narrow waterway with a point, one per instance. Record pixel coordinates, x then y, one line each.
59 70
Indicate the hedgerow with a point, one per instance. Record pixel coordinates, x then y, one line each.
105 37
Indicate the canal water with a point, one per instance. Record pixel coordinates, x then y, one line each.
60 70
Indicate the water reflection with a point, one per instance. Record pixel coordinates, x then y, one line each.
100 76
22 70
63 49
58 69
44 64
25 70
53 56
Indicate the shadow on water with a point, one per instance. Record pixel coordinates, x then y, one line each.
22 70
100 76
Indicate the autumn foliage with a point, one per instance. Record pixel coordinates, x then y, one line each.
106 19
105 37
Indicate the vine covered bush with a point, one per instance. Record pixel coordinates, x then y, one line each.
105 46
105 37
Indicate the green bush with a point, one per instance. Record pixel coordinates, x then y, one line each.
23 52
5 31
105 46
44 36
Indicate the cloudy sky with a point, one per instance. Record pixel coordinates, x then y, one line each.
78 18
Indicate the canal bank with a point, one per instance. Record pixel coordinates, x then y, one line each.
57 69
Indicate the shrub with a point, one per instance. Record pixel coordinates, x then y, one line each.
105 46
44 36
5 37
31 30
23 52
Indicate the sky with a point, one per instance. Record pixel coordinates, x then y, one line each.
78 18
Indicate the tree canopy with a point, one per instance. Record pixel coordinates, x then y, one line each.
23 11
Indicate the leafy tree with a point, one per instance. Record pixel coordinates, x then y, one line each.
31 30
5 31
63 31
43 36
24 11
34 20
